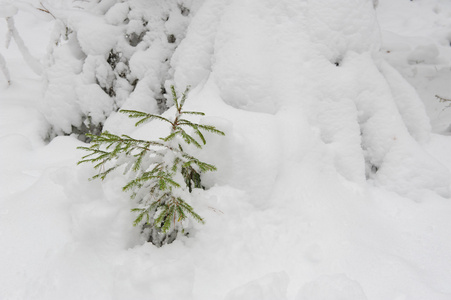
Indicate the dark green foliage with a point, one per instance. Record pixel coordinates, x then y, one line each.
153 167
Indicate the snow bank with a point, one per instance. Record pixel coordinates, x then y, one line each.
326 148
416 41
334 79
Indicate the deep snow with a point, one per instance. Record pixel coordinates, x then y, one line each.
296 209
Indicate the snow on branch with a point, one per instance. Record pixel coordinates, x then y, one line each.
4 68
32 62
444 100
44 9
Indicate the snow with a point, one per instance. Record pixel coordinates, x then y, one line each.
7 10
193 61
99 109
12 33
271 286
417 43
333 287
95 37
118 46
4 69
60 85
333 176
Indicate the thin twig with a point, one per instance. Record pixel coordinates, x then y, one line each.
44 9
442 99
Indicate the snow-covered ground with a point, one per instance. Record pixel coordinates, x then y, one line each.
331 182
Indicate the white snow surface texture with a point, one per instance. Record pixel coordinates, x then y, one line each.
331 182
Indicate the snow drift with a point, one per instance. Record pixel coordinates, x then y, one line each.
318 66
324 188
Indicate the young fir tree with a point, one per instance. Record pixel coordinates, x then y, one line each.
155 168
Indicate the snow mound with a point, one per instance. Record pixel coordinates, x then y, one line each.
322 66
95 36
327 184
416 39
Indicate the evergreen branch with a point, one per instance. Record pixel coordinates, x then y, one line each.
184 122
134 114
161 217
151 117
86 149
189 139
101 163
185 93
170 136
153 166
137 164
127 139
162 184
212 129
86 160
192 113
164 181
204 167
181 213
175 164
168 219
197 131
140 216
174 98
158 202
102 175
185 206
442 99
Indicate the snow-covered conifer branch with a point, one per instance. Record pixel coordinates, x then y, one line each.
4 69
32 62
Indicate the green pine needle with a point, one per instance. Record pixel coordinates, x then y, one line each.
153 175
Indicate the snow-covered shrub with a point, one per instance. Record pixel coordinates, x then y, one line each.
156 169
107 55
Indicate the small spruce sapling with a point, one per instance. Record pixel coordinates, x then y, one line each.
154 166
